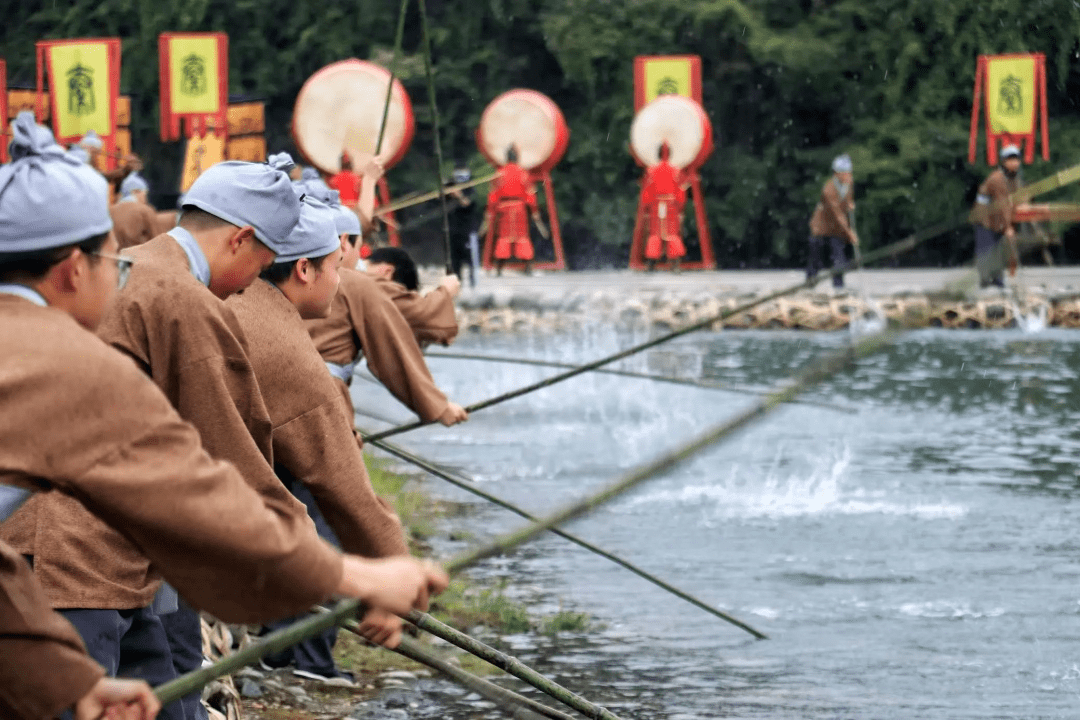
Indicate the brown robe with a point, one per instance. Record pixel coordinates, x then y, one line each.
996 213
364 319
313 438
831 214
190 344
43 667
431 316
165 220
81 421
133 223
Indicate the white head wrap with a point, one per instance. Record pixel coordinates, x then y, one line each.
255 194
314 236
48 199
842 163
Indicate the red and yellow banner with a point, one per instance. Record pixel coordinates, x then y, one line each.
1014 87
656 75
194 73
84 84
4 137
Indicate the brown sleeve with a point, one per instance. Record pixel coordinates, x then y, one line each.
319 449
431 316
225 548
43 666
997 187
391 350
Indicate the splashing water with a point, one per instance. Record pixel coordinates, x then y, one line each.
1031 322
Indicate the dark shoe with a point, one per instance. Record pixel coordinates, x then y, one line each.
327 676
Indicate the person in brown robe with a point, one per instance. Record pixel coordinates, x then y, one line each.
134 220
315 452
364 322
830 225
80 420
431 316
992 216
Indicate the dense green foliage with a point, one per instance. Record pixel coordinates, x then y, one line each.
788 84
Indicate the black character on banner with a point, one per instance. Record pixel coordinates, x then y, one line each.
1011 97
193 75
80 80
667 86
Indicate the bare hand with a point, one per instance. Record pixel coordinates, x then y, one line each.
372 169
453 414
381 628
396 585
854 238
452 284
117 699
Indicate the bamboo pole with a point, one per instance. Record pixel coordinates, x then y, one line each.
517 705
510 665
420 198
399 35
470 486
426 39
689 382
311 626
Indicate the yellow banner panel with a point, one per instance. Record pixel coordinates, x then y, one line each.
201 153
1010 97
80 83
193 75
667 77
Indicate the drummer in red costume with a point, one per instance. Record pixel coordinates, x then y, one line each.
511 192
664 196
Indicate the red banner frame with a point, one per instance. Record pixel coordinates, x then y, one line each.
1027 141
639 76
195 123
109 141
3 112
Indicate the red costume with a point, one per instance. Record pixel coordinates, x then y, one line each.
664 196
511 194
347 183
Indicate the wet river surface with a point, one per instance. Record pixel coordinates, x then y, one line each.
918 557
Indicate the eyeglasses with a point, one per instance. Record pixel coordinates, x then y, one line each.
123 267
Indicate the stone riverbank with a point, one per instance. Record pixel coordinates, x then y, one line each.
555 302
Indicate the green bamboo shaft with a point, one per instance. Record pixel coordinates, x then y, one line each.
517 705
511 665
419 198
398 38
470 486
626 373
887 251
272 643
435 132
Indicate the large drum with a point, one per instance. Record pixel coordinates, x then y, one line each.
528 120
678 121
340 109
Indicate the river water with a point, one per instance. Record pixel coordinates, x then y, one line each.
914 555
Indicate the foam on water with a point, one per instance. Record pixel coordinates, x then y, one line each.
822 491
1032 322
949 609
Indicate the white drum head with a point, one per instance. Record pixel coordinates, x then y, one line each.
672 119
523 121
340 109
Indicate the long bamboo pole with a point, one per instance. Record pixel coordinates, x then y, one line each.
470 486
399 36
435 133
510 665
420 198
311 626
689 382
507 699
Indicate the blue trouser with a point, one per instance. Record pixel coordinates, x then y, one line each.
317 653
184 632
988 256
130 644
815 262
